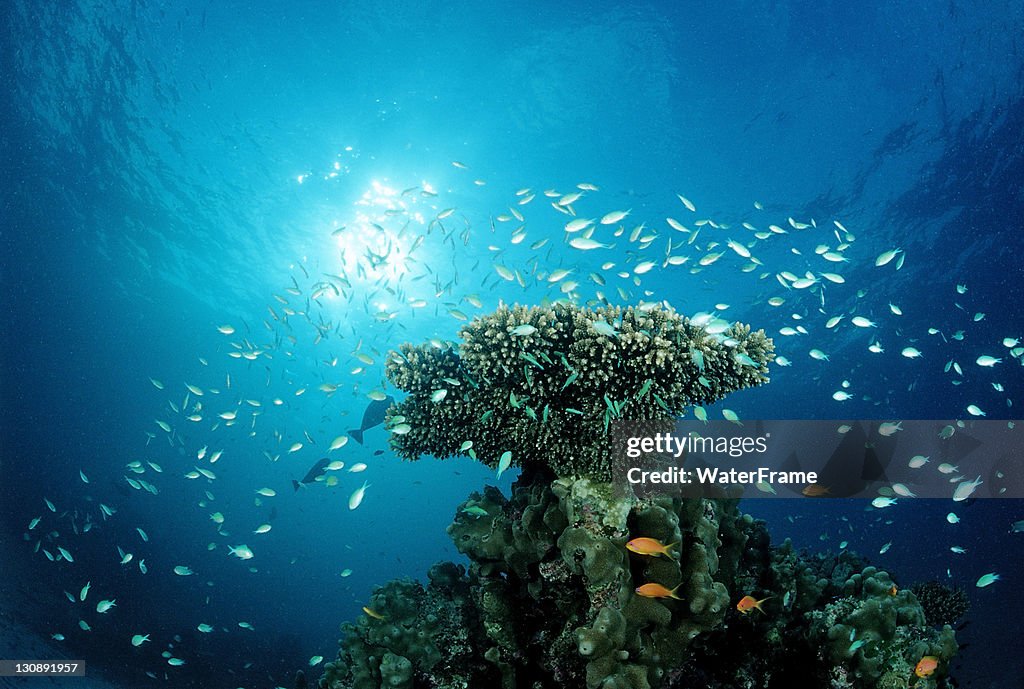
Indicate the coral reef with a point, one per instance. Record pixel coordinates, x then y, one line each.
552 596
545 383
549 600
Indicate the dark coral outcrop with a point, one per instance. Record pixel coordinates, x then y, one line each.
550 597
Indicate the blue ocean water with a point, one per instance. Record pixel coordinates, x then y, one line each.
172 168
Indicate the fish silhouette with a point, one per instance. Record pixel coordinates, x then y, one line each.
313 473
373 416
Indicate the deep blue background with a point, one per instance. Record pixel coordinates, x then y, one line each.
151 156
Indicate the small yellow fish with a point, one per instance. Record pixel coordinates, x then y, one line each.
373 613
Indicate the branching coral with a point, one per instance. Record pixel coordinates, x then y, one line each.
545 383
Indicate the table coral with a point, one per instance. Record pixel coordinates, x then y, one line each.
546 382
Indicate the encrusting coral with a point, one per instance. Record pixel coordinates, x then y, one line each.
550 598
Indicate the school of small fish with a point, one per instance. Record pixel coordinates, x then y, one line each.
395 261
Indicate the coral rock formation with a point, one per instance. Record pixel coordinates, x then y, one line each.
550 597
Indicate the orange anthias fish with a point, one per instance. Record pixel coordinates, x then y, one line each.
650 546
748 603
654 590
373 613
815 490
926 666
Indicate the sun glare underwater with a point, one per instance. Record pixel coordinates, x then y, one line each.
323 324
